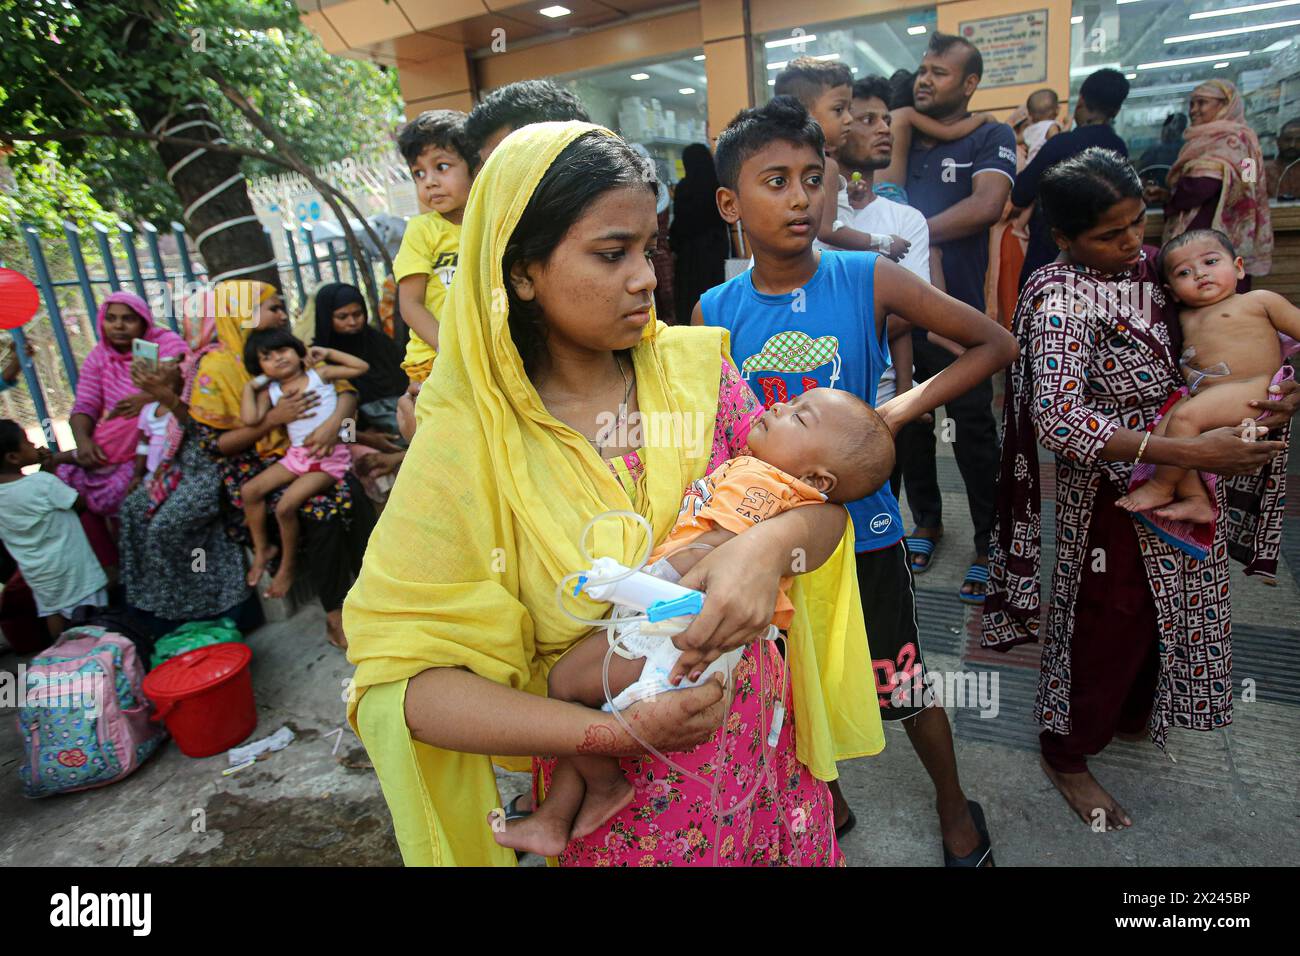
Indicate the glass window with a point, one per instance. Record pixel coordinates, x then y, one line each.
1167 47
660 105
869 45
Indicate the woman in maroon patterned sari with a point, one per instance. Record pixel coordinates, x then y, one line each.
1138 635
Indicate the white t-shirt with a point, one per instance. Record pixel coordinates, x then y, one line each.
1036 135
45 537
155 427
300 429
890 218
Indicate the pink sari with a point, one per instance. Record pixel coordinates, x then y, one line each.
671 821
1228 150
105 379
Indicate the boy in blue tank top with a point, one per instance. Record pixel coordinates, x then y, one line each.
803 318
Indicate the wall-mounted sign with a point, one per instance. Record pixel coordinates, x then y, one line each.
1014 47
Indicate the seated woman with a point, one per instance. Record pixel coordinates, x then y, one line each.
179 561
343 323
336 524
105 415
454 623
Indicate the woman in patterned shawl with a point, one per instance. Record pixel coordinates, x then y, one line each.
1137 633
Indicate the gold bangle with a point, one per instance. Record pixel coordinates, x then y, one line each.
1142 447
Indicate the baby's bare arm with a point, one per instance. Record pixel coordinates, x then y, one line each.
693 553
1282 315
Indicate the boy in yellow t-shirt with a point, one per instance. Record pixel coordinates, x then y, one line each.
434 146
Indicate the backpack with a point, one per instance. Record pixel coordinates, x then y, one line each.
84 717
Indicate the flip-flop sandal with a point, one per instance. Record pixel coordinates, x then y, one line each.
846 826
982 853
918 547
977 574
512 809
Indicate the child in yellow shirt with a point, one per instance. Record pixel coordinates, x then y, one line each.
441 162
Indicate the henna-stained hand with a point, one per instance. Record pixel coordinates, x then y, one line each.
670 722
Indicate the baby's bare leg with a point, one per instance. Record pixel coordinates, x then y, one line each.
1215 407
585 790
577 675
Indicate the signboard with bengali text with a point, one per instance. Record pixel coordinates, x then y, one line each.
1014 47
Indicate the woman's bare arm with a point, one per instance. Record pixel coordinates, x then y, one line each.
458 710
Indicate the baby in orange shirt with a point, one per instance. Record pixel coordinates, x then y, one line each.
825 445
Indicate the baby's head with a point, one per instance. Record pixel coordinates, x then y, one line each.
829 439
275 353
1201 267
1043 105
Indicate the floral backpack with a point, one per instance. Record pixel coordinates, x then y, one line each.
84 718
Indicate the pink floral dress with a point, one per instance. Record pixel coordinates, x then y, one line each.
671 821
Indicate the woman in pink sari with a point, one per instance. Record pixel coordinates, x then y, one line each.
105 415
1218 180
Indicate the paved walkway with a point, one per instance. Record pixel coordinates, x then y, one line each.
1225 798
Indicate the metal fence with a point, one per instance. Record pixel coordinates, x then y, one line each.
168 262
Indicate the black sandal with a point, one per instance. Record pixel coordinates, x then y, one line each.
977 856
846 826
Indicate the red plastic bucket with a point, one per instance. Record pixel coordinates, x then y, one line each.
205 697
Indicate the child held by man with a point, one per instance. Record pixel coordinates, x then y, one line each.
442 165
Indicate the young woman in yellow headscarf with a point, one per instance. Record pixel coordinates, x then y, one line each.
454 623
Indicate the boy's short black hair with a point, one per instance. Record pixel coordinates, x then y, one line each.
941 43
1192 235
11 436
522 104
1105 90
270 340
806 79
783 119
873 88
442 128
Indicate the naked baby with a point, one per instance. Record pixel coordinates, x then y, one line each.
1232 349
824 445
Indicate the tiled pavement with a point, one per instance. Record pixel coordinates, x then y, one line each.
1228 797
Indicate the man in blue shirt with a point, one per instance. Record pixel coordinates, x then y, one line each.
1099 100
961 187
803 318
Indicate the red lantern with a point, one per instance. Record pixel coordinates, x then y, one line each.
19 299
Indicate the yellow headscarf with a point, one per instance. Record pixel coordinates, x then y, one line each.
484 520
221 374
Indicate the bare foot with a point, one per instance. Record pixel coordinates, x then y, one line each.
1193 510
334 629
958 828
541 833
1150 495
599 804
281 583
1088 798
261 559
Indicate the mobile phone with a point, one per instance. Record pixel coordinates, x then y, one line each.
146 351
